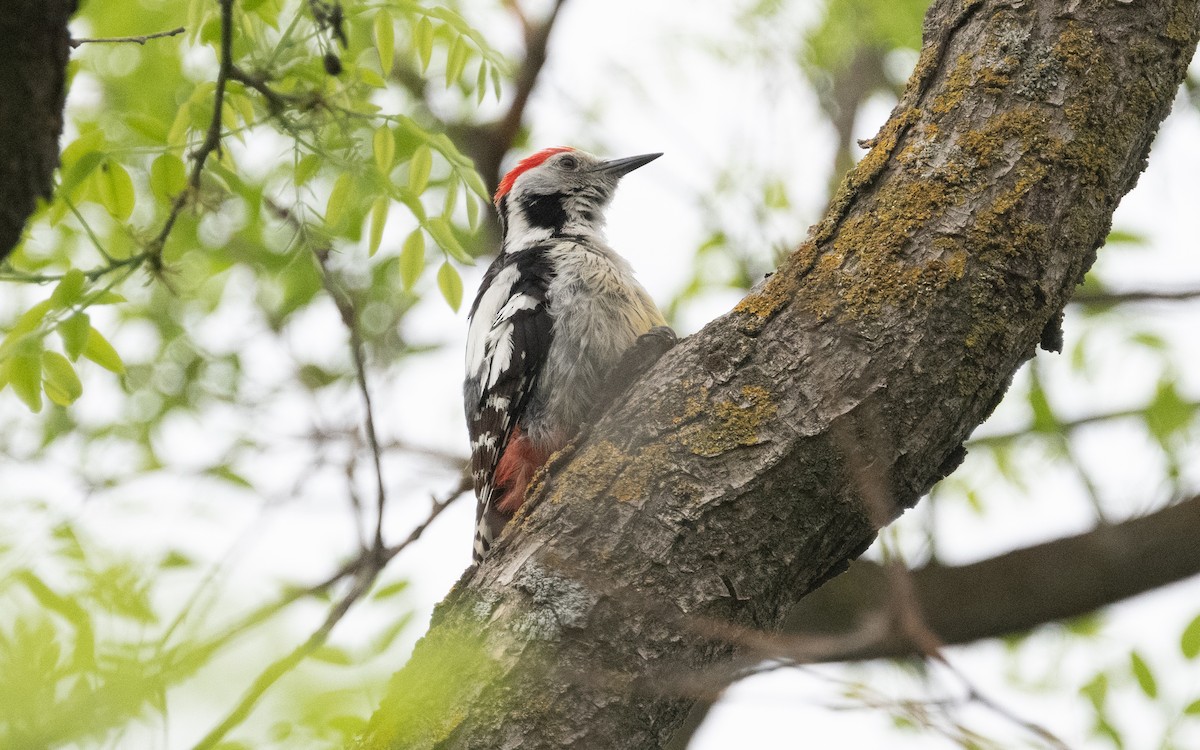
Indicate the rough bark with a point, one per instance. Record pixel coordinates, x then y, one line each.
32 91
724 487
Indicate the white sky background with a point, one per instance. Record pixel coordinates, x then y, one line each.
627 78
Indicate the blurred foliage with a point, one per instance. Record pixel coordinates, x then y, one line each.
136 304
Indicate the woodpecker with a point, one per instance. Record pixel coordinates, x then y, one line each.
554 315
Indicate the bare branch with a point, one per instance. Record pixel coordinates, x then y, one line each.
365 568
211 143
1064 427
350 320
1134 296
133 39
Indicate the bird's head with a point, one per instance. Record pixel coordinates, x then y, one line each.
560 189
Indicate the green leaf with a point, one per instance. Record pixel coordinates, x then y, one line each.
1125 237
1044 420
306 168
1193 708
472 213
1189 643
496 83
390 590
412 259
481 82
442 233
23 371
29 320
451 197
102 353
450 284
475 182
80 159
176 559
1104 729
332 655
370 77
115 188
106 297
87 143
226 473
456 61
385 41
60 381
1096 691
69 289
423 41
1168 414
379 215
385 149
419 169
339 197
1151 341
74 334
168 176
177 135
1143 675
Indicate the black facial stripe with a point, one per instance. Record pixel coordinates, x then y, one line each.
545 211
502 214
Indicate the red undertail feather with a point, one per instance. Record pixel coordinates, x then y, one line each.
526 164
516 467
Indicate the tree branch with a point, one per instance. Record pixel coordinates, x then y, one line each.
1016 591
32 92
1139 295
487 144
212 142
716 492
1004 595
133 39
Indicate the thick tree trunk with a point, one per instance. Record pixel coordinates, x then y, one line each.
32 90
751 463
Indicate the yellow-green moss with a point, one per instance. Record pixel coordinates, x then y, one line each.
634 482
732 424
695 403
773 296
1181 26
958 83
594 468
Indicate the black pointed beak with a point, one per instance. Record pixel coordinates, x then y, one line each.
622 167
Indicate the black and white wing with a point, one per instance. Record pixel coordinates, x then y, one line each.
507 343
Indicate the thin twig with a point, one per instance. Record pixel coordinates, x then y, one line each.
870 480
132 39
1137 295
277 101
282 666
350 319
212 140
1064 427
366 567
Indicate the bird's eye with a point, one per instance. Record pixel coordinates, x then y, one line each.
568 162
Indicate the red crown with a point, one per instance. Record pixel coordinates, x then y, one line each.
523 166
